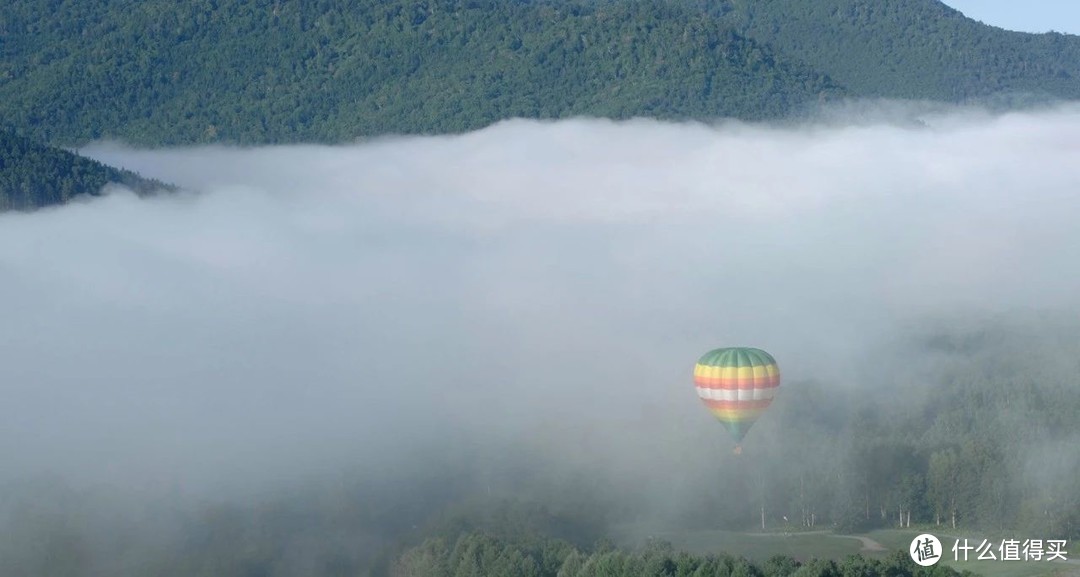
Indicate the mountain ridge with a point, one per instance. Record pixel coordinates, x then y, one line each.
915 49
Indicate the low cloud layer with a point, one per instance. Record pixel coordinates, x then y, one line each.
308 309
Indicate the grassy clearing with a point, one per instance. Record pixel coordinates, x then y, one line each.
753 546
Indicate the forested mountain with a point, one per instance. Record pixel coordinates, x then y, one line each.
919 49
157 73
33 175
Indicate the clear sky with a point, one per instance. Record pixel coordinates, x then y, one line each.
1024 15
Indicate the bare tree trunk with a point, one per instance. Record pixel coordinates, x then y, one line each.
954 518
909 518
802 502
762 517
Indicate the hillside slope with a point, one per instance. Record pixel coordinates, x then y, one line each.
918 49
33 175
157 73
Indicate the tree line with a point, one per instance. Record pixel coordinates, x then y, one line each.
477 555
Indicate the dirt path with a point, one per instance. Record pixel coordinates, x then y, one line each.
787 534
868 544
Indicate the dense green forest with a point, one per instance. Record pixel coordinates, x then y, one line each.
968 423
33 175
272 71
157 73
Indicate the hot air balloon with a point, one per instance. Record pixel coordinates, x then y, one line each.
737 385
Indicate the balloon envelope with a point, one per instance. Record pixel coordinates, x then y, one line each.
737 385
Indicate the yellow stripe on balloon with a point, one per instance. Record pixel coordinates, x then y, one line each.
708 371
735 415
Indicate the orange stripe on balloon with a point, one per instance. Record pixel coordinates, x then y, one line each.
737 405
738 383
